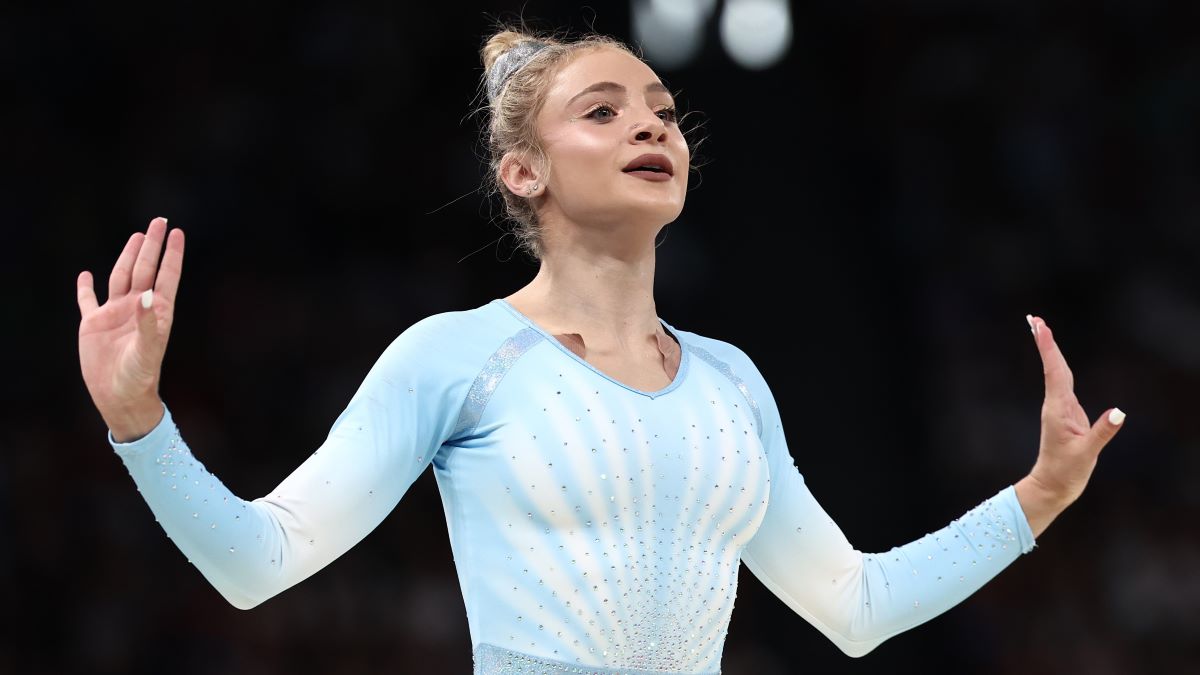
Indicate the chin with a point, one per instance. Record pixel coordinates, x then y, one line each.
652 212
661 210
661 214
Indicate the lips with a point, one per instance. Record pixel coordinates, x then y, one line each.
653 164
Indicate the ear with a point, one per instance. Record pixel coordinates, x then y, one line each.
521 176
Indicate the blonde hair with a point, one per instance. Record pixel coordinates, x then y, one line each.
513 113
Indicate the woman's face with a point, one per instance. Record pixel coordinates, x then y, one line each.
603 111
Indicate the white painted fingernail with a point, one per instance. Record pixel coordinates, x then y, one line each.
1115 416
164 219
148 299
1029 319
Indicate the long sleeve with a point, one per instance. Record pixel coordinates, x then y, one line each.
857 599
390 431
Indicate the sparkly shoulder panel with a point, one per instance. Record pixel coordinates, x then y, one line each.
493 660
489 378
733 377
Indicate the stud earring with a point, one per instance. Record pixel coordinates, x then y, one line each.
530 190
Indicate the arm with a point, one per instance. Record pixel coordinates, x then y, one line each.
859 600
252 550
856 599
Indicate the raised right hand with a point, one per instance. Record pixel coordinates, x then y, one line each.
122 343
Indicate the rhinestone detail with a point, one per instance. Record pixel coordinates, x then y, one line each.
489 378
493 660
725 370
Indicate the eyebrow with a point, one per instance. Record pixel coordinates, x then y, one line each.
613 86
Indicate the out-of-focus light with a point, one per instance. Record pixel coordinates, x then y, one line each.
756 33
703 8
670 31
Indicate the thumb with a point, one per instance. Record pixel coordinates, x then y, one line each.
1107 426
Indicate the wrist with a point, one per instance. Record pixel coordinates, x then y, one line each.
133 421
1040 503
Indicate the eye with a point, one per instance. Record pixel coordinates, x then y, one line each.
667 114
594 112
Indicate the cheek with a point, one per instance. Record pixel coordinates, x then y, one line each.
681 147
588 157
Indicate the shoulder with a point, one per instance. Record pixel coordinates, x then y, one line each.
716 351
461 340
735 364
456 328
448 325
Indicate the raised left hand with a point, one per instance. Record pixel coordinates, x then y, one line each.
1070 445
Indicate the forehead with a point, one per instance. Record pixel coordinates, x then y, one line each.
599 65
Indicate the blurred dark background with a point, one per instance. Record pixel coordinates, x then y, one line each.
879 210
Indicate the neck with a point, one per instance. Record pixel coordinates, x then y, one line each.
604 294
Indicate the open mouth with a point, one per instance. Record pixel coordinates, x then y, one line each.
650 167
649 174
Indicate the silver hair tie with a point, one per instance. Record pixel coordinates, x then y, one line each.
510 62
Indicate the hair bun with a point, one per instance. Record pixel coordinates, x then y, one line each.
500 43
506 53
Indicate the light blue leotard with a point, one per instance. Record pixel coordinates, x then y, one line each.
596 528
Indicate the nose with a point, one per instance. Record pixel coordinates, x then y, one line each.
653 127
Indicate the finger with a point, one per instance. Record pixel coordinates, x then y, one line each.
147 258
172 267
84 294
1107 426
1059 380
147 320
118 281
